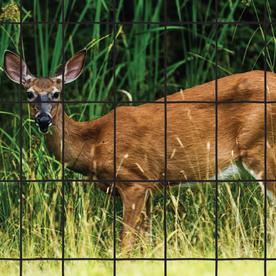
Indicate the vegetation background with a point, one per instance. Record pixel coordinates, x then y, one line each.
140 52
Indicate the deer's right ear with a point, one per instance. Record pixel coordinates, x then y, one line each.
12 68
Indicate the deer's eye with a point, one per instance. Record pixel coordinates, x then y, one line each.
55 95
30 95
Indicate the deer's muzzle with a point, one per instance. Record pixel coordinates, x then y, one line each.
43 120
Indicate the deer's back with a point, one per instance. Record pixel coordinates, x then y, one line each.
247 86
190 130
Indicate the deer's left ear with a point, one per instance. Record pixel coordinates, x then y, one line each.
73 67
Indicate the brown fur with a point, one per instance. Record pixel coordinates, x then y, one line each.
43 84
140 144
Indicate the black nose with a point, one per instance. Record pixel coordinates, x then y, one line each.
43 120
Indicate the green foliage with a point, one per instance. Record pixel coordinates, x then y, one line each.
10 13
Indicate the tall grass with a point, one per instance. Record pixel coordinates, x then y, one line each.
139 72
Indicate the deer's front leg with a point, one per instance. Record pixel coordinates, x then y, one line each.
134 199
144 225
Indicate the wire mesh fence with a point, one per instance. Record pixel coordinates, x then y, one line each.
66 195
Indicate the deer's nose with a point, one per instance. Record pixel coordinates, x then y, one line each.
43 120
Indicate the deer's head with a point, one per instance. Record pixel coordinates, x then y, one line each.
43 94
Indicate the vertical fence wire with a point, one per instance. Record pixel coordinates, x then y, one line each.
63 145
114 2
265 138
216 138
165 183
21 148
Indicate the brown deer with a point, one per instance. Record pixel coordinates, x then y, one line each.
140 134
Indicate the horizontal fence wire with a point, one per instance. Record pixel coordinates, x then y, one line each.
111 23
170 181
165 182
139 259
86 102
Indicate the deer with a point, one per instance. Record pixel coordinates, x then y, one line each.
140 135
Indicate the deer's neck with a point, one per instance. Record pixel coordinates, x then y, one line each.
76 141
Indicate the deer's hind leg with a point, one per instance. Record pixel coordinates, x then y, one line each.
271 175
254 163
